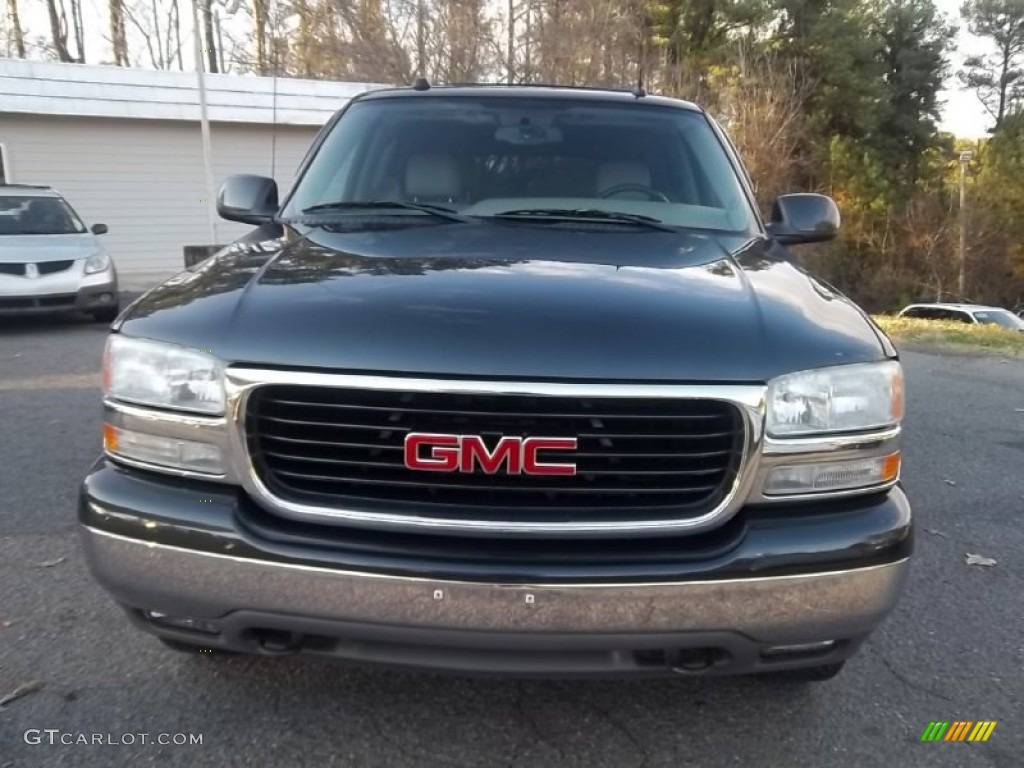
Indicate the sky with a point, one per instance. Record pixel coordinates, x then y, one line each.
962 113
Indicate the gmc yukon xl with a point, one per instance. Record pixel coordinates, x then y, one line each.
514 380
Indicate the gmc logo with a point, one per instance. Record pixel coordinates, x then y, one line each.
466 453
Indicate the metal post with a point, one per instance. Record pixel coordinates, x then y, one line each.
421 38
204 122
528 63
965 158
511 40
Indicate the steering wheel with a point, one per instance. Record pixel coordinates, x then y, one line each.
652 194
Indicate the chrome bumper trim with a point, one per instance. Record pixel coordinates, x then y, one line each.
777 609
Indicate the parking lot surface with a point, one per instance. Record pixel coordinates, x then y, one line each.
954 650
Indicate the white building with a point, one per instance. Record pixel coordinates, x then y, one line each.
124 146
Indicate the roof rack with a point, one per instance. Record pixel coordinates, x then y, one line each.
638 92
24 186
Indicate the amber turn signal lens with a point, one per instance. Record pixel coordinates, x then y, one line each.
891 467
832 476
110 438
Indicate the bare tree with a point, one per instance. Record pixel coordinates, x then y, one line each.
260 12
206 11
15 34
157 24
462 30
78 28
762 101
118 36
174 33
58 31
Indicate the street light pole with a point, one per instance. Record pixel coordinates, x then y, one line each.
965 159
204 124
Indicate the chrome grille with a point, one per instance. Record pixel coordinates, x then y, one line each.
652 458
45 267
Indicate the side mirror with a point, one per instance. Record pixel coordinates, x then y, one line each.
99 229
248 199
803 218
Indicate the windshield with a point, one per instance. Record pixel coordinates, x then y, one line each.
1001 317
484 156
29 215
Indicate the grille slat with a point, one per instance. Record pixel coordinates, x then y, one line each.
401 467
496 487
299 443
488 414
342 447
495 432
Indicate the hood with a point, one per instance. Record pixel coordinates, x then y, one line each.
26 248
518 300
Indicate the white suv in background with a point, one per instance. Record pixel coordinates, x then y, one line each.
974 314
49 261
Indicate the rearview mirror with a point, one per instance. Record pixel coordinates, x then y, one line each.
98 229
803 218
248 199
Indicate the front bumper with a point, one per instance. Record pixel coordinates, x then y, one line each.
67 291
170 550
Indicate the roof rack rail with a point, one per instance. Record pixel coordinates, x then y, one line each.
638 92
24 186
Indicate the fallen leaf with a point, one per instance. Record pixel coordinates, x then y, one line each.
936 533
947 481
979 560
51 563
22 690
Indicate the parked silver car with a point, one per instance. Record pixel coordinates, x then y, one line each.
973 314
49 261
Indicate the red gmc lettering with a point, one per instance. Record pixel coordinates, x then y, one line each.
533 466
444 452
465 453
507 451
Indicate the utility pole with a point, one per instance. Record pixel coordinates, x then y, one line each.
511 41
965 159
421 37
204 122
527 65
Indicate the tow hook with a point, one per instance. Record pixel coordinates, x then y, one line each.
275 642
689 660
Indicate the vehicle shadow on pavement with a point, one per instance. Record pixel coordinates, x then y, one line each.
13 324
430 719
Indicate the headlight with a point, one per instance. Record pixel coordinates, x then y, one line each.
98 262
846 398
163 375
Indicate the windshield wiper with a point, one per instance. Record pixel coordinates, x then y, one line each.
356 205
586 214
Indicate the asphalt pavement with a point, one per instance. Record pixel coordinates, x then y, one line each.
954 650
